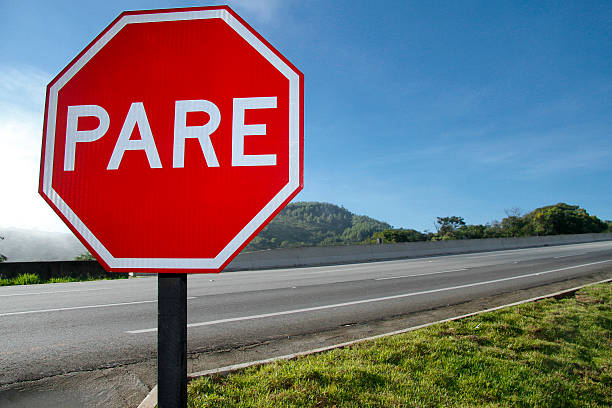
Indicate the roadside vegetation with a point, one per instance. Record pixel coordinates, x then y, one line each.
550 353
322 224
550 220
33 279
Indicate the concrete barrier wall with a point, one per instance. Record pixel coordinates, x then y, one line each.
315 256
55 269
318 256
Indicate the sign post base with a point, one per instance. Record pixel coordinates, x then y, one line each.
172 340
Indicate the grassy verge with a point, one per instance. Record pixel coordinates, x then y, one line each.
32 278
551 353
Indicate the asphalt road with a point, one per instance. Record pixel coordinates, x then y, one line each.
52 329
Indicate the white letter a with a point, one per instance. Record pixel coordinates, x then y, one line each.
136 116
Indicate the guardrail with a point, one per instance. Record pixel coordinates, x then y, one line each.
319 256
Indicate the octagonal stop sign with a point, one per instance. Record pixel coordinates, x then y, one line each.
172 139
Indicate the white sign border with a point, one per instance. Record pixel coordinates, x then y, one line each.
294 143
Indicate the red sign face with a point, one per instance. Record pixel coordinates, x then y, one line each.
172 139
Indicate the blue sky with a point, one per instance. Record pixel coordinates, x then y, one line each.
413 109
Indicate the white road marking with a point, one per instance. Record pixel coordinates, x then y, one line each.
536 251
496 253
61 309
358 302
52 293
565 256
421 274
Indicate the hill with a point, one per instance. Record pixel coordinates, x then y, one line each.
21 245
299 224
314 224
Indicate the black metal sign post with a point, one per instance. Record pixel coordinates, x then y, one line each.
172 340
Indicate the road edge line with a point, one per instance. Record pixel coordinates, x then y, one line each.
150 401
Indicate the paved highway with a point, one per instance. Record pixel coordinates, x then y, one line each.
60 328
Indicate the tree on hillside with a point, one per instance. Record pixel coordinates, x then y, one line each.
2 257
514 223
447 227
313 224
472 231
551 220
85 257
562 219
362 228
389 236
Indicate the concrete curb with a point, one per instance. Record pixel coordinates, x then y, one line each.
150 400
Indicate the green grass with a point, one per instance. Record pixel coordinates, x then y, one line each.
551 353
31 278
25 279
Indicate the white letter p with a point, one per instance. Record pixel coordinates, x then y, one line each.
73 135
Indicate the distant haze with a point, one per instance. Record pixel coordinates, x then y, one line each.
21 245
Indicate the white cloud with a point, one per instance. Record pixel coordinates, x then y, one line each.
22 86
544 154
22 99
